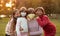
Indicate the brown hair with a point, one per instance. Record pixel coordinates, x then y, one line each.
31 10
13 25
23 9
40 8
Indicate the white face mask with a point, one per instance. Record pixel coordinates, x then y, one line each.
23 14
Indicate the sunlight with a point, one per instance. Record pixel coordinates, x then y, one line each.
2 16
9 4
1 5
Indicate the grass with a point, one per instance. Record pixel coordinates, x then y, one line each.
57 23
4 21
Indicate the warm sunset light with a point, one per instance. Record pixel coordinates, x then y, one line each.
2 16
2 1
29 17
9 4
0 5
14 8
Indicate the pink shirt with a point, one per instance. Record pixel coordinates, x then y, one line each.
34 28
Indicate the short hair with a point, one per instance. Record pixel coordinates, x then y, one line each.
40 8
23 9
31 10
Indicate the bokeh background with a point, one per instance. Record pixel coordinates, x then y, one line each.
52 8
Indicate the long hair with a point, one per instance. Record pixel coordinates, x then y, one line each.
13 25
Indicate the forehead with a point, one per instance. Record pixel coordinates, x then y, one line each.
24 11
17 12
39 10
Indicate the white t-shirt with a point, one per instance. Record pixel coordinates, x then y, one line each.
21 22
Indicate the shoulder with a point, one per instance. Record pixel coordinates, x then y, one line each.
21 19
45 16
10 21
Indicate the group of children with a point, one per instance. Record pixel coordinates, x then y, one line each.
30 22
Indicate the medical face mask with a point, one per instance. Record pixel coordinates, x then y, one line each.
31 16
23 14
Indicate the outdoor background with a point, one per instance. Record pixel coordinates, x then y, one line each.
7 7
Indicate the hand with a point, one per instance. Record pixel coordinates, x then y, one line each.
21 29
37 17
28 18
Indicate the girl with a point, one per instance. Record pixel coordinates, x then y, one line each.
10 27
22 23
31 14
43 20
34 28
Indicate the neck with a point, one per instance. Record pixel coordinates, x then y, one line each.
41 16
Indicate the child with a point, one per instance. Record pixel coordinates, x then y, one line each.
43 20
31 14
10 27
22 23
34 28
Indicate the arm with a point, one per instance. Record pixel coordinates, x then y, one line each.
18 27
8 26
44 21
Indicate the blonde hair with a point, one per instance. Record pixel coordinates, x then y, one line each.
40 8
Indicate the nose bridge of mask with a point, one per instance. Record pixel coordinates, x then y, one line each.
23 13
